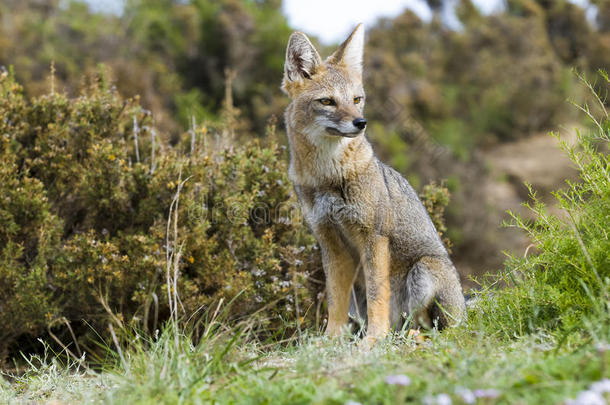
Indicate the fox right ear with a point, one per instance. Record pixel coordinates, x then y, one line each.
302 59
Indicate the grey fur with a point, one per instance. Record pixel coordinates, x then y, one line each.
417 287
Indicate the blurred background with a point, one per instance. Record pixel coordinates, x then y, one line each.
460 92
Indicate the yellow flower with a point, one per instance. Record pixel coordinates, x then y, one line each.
111 157
191 259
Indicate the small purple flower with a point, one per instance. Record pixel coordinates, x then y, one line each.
443 399
466 395
399 379
587 398
602 347
440 399
601 386
487 393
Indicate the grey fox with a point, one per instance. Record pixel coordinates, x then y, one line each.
381 254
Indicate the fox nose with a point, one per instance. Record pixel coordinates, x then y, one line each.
359 123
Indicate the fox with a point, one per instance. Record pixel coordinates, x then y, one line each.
383 259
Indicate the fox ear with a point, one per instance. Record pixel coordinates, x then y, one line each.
350 52
302 59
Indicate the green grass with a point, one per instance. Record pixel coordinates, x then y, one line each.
228 366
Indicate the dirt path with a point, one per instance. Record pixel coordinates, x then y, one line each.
538 160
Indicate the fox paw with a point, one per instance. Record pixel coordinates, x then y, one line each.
416 335
367 343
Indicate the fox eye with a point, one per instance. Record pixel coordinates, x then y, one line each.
357 100
327 101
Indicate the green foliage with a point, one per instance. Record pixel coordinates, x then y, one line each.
469 87
87 189
565 282
29 240
169 52
436 198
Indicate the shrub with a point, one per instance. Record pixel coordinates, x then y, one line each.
87 187
566 282
436 198
29 241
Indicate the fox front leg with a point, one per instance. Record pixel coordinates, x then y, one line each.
375 258
340 269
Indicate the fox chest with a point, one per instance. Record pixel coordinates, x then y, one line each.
334 206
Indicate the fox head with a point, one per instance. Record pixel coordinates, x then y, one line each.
327 96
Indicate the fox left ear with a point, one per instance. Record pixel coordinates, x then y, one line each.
350 52
302 59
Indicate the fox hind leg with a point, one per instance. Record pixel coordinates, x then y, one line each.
420 294
434 294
